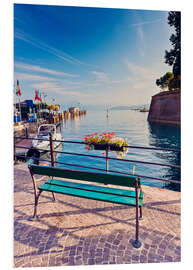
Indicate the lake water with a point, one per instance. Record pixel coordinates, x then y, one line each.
133 126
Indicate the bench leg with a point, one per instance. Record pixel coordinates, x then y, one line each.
140 210
136 243
36 204
53 196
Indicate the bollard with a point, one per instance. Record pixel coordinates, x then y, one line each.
26 132
107 161
51 150
52 158
15 159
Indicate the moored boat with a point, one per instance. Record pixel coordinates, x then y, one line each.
144 110
41 141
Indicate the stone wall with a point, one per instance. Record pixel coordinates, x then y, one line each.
166 108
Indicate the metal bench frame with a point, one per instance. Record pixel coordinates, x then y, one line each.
89 177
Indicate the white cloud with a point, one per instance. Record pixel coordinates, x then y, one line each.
142 79
141 40
43 70
104 77
146 22
45 47
30 77
140 34
54 87
138 71
100 76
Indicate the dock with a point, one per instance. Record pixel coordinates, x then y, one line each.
77 231
30 130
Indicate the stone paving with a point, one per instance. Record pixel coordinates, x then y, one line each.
77 231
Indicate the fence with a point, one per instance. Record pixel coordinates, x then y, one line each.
106 157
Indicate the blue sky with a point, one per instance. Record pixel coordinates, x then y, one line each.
89 56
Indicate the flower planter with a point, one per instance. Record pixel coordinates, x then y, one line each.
116 148
112 147
106 141
98 146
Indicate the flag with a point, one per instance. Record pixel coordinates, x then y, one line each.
18 90
37 96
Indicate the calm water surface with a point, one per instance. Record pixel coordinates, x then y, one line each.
133 126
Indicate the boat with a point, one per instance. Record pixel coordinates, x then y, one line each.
107 115
41 141
144 110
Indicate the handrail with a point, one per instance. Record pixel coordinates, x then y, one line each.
106 158
127 146
111 158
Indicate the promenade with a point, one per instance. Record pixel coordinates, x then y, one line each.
77 231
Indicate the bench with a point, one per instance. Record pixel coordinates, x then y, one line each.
90 190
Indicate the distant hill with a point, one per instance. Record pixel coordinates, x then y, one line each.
121 108
132 107
104 108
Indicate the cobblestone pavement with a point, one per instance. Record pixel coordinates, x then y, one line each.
76 231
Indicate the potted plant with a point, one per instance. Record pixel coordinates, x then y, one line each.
104 141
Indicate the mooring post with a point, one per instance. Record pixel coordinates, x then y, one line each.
51 150
14 147
107 160
26 132
52 157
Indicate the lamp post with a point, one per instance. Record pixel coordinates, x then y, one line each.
44 95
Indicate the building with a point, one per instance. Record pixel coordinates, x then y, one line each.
74 110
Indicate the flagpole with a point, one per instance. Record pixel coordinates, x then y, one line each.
19 107
18 94
37 97
39 110
41 104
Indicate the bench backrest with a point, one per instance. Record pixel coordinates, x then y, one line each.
120 180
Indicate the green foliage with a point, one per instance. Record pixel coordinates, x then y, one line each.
172 80
165 81
175 83
106 138
173 57
44 105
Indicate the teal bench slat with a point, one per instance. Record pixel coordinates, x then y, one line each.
116 191
120 180
113 198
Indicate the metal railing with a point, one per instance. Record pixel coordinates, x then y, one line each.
106 157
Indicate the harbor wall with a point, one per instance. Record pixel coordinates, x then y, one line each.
166 108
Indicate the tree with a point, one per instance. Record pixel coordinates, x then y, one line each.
166 81
173 57
172 80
